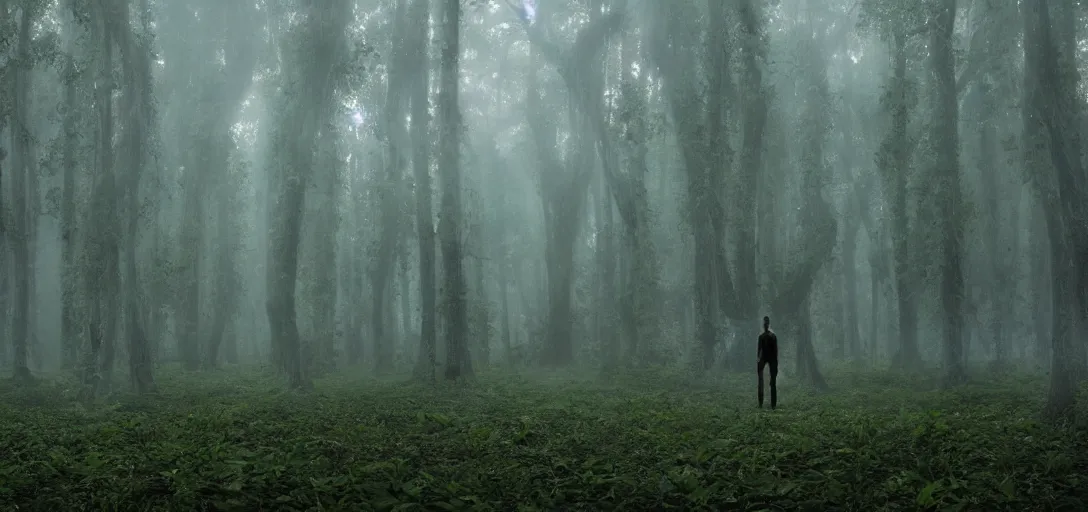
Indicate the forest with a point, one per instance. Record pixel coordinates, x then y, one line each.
513 254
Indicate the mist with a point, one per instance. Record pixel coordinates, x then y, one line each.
425 230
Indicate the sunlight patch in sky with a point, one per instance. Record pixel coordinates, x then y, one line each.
357 118
529 8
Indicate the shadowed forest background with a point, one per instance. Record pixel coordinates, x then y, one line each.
293 221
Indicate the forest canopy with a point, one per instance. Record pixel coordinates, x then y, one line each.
406 230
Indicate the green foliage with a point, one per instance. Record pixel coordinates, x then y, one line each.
889 18
647 441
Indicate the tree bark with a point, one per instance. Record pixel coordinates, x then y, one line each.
849 274
70 332
452 218
1049 105
424 195
22 223
396 141
313 63
136 65
754 101
945 136
894 162
102 276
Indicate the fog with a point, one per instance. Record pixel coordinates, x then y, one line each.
375 187
491 254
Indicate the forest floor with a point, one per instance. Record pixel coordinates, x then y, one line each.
235 440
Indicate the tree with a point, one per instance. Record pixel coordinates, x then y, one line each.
102 237
420 14
136 65
397 143
311 55
23 186
1050 111
458 364
944 135
897 23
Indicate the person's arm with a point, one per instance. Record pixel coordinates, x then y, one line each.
759 349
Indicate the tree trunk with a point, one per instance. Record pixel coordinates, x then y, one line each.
483 334
226 298
320 37
874 305
818 225
326 223
849 280
136 61
606 334
424 196
894 161
189 328
1049 104
450 230
395 138
1072 125
70 338
101 244
808 368
22 219
507 345
755 104
1039 256
5 272
405 314
945 136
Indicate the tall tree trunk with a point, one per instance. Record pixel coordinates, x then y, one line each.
564 184
187 335
755 103
703 148
102 243
945 136
894 162
355 270
606 334
849 278
988 166
1038 252
311 69
405 314
396 139
452 219
70 338
22 219
1050 99
818 223
643 280
807 368
507 345
226 283
1072 124
327 181
136 60
874 303
424 196
5 272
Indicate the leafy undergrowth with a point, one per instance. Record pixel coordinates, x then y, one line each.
648 441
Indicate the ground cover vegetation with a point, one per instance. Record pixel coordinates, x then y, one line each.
640 441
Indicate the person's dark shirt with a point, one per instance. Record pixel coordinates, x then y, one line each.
768 346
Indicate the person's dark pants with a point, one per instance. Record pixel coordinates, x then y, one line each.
774 382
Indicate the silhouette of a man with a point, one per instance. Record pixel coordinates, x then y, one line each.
767 354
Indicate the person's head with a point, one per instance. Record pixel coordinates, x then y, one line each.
766 323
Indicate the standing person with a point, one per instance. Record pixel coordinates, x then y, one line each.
767 354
